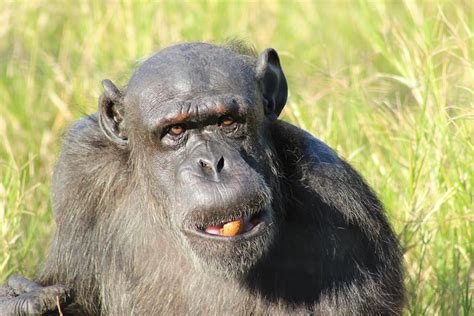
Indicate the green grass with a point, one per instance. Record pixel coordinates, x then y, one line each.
390 85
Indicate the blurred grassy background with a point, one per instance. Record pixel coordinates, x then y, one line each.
390 85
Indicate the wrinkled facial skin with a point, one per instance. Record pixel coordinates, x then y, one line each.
204 139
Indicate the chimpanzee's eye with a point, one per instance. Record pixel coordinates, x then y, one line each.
226 120
176 130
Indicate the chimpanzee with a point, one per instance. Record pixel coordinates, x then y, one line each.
185 194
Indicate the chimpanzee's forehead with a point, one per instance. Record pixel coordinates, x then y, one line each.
189 70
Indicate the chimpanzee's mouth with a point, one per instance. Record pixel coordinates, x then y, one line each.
237 227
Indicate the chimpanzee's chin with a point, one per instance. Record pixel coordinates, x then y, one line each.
232 255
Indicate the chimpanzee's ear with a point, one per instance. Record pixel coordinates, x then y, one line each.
272 82
111 114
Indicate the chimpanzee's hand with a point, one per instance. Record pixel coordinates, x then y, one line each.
24 297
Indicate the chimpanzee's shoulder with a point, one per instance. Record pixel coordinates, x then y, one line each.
292 141
84 125
86 131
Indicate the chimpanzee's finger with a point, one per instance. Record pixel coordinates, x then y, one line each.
50 296
22 285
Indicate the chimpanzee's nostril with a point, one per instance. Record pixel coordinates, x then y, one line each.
203 164
220 164
208 166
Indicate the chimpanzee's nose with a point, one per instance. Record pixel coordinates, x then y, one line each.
208 160
211 165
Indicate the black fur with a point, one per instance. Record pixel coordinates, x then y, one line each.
130 200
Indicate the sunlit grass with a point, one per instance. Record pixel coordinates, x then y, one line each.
390 85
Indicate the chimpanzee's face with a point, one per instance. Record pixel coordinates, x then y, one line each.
205 135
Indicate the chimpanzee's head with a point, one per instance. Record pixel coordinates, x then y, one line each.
197 116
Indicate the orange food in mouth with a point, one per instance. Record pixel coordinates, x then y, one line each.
235 227
232 228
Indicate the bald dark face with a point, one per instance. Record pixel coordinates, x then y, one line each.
197 116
